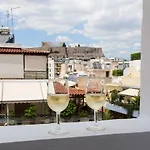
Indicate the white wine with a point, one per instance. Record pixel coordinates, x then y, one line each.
58 102
95 101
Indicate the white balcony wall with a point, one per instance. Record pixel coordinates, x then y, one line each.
145 61
11 66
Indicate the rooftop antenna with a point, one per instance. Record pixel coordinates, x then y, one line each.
7 21
1 21
12 18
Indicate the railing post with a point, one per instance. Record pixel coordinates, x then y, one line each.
7 113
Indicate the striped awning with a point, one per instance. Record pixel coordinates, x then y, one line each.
23 91
27 91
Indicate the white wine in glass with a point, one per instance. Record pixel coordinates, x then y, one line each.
95 98
95 101
58 100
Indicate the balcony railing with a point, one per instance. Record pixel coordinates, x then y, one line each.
121 110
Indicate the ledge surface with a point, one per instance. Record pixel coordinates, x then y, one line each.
23 133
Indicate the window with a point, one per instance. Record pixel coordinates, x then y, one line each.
107 73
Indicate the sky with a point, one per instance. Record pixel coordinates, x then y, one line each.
113 25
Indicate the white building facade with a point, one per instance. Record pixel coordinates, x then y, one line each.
18 63
51 66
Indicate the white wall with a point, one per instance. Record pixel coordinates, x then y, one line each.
126 72
35 63
145 61
11 66
63 70
133 69
131 81
136 64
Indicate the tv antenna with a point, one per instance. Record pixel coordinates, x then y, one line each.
12 18
7 18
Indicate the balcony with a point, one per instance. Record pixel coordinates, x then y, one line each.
128 134
119 135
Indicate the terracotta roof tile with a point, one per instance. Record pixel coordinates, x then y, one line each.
74 91
21 51
36 51
93 90
60 89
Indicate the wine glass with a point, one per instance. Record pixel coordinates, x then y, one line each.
58 100
95 98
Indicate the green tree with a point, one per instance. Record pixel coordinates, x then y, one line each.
108 115
118 72
83 113
136 56
114 96
136 102
11 114
70 110
133 103
30 112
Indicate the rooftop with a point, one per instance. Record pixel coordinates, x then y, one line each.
74 91
17 50
4 38
59 88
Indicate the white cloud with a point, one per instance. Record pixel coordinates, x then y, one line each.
124 52
76 31
62 39
137 44
114 24
76 44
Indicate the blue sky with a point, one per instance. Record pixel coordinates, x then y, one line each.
113 25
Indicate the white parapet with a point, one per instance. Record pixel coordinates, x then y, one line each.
145 60
10 45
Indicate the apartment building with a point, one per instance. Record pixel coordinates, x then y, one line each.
60 54
18 63
118 63
51 70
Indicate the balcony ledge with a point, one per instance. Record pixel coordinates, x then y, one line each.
24 133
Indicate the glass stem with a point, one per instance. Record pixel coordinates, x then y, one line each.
95 117
58 120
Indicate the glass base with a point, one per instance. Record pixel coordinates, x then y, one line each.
95 128
58 132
